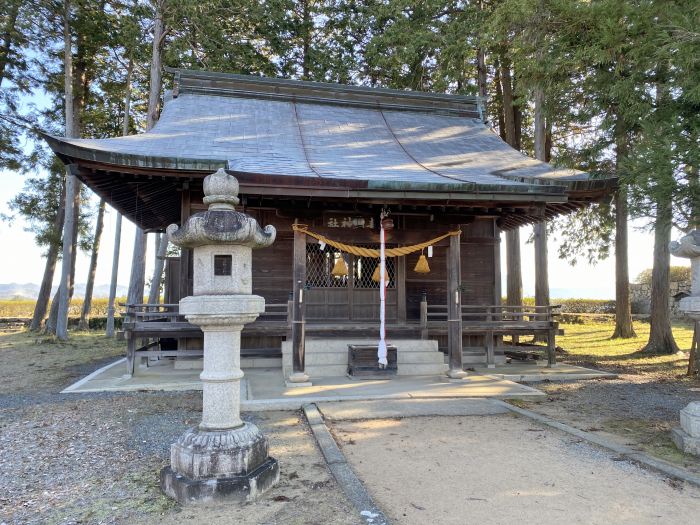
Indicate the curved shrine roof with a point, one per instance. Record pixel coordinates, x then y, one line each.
291 139
390 139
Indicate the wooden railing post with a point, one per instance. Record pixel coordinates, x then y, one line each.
424 316
490 351
551 339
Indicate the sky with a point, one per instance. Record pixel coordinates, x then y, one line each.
22 261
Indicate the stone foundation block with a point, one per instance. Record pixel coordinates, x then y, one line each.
200 454
687 438
685 442
187 491
690 419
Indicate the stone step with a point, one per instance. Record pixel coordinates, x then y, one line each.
422 369
338 358
475 358
329 357
326 370
403 370
420 358
338 345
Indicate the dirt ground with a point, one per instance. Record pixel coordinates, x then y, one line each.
95 458
636 410
503 469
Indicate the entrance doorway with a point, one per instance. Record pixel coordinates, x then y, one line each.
351 297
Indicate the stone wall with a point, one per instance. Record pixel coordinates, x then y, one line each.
640 295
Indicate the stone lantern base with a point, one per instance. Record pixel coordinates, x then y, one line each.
227 465
687 437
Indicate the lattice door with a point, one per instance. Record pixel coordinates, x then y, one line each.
352 297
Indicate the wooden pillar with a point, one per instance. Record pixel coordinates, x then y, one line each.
454 309
185 259
424 316
541 269
541 266
497 292
185 253
551 347
514 279
298 375
496 340
490 342
401 289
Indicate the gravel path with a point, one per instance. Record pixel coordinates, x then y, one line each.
632 395
96 459
503 469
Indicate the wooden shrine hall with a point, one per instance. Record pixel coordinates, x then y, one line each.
325 160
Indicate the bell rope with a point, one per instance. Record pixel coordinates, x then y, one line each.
369 252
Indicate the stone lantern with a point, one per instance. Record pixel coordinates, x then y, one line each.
687 437
224 458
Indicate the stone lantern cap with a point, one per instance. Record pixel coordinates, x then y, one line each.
221 223
688 246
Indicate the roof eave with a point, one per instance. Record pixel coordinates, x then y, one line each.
452 191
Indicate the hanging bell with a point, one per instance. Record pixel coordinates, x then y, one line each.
422 265
340 268
375 275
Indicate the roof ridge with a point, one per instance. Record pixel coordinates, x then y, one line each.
249 86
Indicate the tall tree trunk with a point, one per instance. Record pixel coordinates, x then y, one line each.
156 72
58 316
499 101
623 308
138 269
42 302
7 33
508 109
84 323
306 44
138 263
72 185
661 339
481 73
540 229
161 251
694 354
513 279
113 281
109 330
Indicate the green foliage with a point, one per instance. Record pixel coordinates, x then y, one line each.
677 274
601 65
575 305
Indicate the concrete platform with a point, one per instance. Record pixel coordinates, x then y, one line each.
264 388
394 408
534 372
